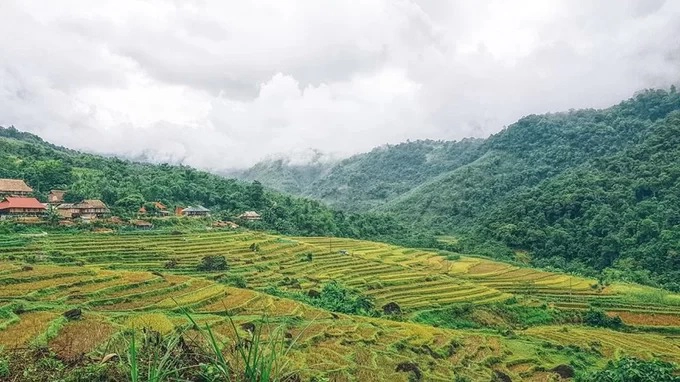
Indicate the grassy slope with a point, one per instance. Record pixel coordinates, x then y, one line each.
117 290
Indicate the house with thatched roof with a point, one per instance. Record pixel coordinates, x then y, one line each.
197 211
224 224
21 206
56 196
14 187
250 215
141 224
160 209
67 210
87 209
93 209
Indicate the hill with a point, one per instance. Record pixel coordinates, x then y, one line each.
620 211
293 173
369 180
126 186
574 189
534 149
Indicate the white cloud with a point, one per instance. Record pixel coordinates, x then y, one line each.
223 84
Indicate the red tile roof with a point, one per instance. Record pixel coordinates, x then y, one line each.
12 202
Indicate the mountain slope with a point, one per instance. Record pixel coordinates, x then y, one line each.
370 180
285 174
534 149
367 180
584 190
621 211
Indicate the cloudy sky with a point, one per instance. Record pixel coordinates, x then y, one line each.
222 84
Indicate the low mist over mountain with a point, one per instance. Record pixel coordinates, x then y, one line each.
217 85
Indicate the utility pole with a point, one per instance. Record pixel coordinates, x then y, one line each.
330 244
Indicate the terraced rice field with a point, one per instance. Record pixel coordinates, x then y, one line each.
609 342
121 280
345 347
415 279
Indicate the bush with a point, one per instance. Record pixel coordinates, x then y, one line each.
338 298
333 296
213 263
598 318
4 368
233 280
630 369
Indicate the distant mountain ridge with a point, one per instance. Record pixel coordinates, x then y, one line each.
369 180
293 172
395 177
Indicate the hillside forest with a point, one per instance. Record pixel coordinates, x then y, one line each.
590 191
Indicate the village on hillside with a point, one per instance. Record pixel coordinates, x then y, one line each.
18 203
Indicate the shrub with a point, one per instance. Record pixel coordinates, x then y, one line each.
630 369
598 318
212 263
338 298
233 280
333 296
4 368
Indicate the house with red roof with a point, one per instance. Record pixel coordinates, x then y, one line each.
21 206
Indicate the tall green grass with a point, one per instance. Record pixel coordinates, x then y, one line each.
161 364
258 357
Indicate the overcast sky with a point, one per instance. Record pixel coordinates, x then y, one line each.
222 84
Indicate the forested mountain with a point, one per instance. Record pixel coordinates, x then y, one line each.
125 186
286 175
534 149
367 180
620 211
584 190
370 180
